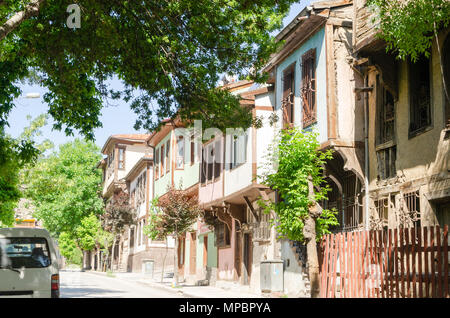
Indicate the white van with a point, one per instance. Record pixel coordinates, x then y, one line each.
29 263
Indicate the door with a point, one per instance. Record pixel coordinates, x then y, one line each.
205 251
193 254
247 258
237 254
443 214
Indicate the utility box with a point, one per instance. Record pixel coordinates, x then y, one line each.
272 276
147 266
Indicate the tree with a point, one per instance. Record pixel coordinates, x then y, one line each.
64 187
17 156
409 27
178 213
300 184
166 52
118 215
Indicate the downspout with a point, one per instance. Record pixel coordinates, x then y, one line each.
366 89
366 153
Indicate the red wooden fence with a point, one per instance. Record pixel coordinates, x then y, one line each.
397 263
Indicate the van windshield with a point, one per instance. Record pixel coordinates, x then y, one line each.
28 252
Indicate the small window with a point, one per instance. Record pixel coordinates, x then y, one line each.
238 150
210 162
163 164
420 96
386 162
121 158
192 149
308 88
180 152
287 103
223 235
167 156
203 167
157 163
217 159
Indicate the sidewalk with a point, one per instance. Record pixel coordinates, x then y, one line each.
221 290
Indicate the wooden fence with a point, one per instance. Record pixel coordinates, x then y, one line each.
397 263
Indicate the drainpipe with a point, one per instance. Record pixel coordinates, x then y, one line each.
366 89
366 152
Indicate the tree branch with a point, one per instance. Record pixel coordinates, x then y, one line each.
32 9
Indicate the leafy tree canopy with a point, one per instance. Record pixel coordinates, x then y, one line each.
167 52
293 159
409 26
64 187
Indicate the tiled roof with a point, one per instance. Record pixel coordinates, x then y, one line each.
132 136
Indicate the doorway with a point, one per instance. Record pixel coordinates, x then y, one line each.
247 258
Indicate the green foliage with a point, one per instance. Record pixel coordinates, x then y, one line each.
168 53
293 158
16 157
69 249
408 27
175 214
87 232
64 187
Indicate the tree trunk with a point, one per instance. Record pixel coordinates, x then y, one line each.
112 255
309 232
313 260
175 265
164 260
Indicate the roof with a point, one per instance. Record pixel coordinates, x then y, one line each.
125 137
302 26
138 165
24 231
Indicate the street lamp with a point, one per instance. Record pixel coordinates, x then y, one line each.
32 95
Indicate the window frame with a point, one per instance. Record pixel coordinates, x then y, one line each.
306 57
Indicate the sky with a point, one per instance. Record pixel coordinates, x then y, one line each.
117 118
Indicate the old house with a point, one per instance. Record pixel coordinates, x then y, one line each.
314 82
175 165
229 189
408 128
123 152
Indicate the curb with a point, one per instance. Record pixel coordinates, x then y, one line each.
152 284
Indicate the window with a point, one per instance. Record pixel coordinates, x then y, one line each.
217 159
157 163
238 150
121 158
132 237
162 160
386 162
192 149
287 103
420 96
203 167
140 188
110 164
28 252
210 162
180 152
223 235
167 156
308 88
386 115
211 166
385 134
410 210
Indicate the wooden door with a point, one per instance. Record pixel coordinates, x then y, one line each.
193 254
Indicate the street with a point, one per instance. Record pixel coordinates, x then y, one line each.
76 284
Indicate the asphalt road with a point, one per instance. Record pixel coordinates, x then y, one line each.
87 285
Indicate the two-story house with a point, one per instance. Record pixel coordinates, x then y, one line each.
176 166
124 154
408 128
314 82
229 188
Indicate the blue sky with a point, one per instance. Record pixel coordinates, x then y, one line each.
117 118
